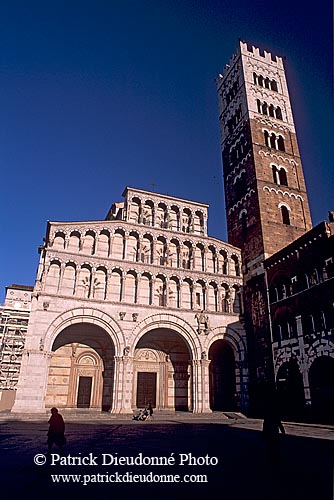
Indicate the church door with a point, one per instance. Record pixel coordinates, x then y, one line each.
84 392
146 389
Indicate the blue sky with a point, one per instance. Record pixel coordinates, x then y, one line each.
97 95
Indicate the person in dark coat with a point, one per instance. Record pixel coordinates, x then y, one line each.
272 426
56 432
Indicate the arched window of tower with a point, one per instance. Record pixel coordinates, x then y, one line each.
285 214
266 138
279 175
283 179
273 140
274 85
265 82
243 219
280 143
275 174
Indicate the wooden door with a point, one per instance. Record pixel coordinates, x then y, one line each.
84 392
146 389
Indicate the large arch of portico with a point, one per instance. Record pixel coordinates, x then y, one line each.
90 344
227 341
155 331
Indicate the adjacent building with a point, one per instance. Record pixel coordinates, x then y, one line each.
300 281
14 317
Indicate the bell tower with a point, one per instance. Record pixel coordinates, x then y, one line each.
265 192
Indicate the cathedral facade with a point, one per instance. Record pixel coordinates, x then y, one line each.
140 307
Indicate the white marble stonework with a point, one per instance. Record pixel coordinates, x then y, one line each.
142 306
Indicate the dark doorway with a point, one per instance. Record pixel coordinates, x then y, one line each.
222 377
146 389
172 356
84 392
321 379
290 390
87 334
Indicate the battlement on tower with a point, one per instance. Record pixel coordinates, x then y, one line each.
250 51
257 53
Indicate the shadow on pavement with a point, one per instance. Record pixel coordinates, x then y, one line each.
303 469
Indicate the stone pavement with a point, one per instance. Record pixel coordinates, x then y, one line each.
228 453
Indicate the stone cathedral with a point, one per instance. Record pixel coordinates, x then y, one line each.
140 307
144 306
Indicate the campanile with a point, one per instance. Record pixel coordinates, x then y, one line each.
266 199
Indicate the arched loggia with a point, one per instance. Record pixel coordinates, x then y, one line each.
162 371
81 370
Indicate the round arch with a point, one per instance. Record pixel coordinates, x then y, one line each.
162 370
81 371
232 337
92 316
237 344
170 322
222 376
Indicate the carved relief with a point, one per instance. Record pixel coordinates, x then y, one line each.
146 355
87 360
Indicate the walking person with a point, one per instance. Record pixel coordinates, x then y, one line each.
272 426
56 432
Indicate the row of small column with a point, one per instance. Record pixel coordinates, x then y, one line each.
155 258
106 290
178 218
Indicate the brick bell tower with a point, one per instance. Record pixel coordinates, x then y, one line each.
265 193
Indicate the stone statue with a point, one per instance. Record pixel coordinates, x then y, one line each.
203 322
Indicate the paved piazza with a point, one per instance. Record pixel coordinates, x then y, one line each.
229 454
